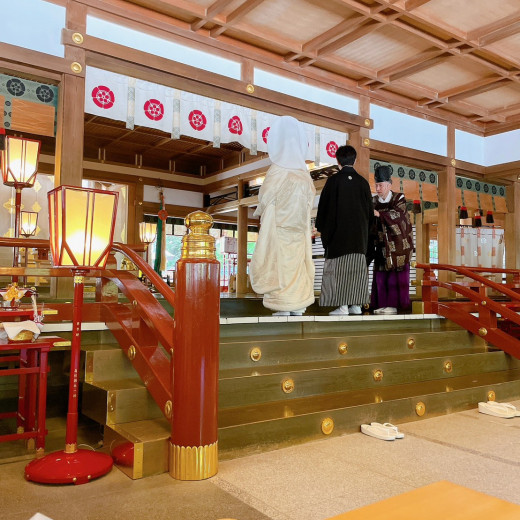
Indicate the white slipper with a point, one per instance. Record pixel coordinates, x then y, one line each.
378 431
498 409
393 429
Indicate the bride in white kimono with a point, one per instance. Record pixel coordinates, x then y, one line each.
282 268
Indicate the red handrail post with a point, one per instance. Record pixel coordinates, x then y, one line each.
195 359
430 295
106 290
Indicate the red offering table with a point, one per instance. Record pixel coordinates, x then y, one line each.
31 360
22 312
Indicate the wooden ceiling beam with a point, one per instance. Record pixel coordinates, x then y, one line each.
495 31
473 88
355 5
410 5
507 31
406 64
235 16
338 31
417 67
182 5
214 9
364 29
438 42
116 140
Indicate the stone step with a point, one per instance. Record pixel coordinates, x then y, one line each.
140 448
118 401
277 424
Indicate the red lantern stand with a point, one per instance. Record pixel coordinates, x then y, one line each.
195 362
24 153
71 465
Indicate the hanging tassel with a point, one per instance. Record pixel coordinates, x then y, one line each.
2 139
463 213
416 206
489 218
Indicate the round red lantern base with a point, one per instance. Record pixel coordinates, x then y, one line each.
68 468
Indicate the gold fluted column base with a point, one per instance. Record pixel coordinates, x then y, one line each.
193 462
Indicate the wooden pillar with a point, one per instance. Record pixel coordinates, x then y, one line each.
70 127
68 168
243 212
447 210
512 226
135 211
360 140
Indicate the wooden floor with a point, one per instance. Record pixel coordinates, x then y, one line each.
439 501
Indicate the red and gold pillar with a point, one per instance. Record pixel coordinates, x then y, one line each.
195 360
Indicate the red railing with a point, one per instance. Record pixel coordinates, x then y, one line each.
480 314
147 332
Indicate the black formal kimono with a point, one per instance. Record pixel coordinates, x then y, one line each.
345 217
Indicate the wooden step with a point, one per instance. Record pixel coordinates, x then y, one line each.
105 362
118 401
139 449
243 387
282 423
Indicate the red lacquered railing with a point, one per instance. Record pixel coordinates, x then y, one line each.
479 314
146 332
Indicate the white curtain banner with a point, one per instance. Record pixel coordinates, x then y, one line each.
235 124
330 141
106 94
182 113
197 116
264 121
154 106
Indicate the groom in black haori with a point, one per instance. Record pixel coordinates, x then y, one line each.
393 247
345 216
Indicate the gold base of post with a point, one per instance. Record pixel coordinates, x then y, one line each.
193 462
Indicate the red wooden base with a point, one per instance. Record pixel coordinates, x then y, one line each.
68 468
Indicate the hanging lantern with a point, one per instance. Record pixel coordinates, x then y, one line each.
477 220
463 212
28 223
81 226
147 232
416 206
489 218
20 161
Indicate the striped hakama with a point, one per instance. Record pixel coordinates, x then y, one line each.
345 281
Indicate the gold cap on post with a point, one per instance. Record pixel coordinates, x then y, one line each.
198 243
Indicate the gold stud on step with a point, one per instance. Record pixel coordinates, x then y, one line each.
491 396
378 375
410 343
343 348
482 331
255 354
420 408
131 353
327 426
448 366
288 386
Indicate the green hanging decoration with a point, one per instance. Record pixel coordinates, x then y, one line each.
160 244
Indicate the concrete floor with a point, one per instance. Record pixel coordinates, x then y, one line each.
311 481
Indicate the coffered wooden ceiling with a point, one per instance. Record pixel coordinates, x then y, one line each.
454 59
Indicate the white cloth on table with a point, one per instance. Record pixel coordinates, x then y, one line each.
13 328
